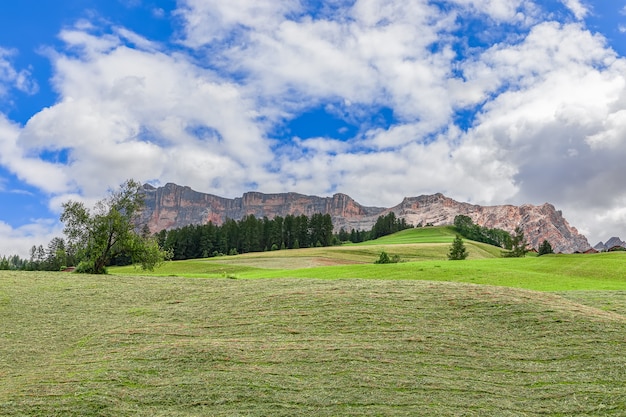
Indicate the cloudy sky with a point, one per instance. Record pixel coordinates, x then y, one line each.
487 101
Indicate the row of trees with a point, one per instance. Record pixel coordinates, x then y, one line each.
515 245
50 258
249 234
252 234
385 225
496 237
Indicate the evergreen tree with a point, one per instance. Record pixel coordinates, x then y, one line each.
457 250
519 246
545 248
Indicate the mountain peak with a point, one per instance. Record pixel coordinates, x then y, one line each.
174 206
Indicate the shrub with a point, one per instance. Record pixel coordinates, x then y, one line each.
384 258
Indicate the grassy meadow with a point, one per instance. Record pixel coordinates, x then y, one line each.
321 332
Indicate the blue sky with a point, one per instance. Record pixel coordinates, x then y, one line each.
487 101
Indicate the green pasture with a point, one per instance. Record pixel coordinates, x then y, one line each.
546 273
321 332
423 253
82 345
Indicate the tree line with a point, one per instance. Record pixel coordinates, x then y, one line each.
468 229
53 257
385 225
250 234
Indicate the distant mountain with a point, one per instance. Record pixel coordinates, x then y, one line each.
173 206
612 243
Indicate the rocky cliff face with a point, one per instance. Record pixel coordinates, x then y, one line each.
173 206
537 222
611 244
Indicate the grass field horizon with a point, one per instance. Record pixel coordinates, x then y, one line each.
321 331
423 253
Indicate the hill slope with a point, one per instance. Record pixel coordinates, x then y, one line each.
84 346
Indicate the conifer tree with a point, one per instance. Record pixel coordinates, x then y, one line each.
545 248
457 250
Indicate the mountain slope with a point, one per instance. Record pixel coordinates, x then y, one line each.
174 206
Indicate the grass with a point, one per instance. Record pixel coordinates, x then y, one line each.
421 261
546 273
73 345
325 332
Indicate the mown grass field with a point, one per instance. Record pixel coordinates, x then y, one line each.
413 338
424 257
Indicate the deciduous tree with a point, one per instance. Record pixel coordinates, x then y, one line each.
108 230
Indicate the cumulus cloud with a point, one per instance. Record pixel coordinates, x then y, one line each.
544 118
577 7
18 241
127 112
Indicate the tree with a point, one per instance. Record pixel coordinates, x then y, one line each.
97 235
519 246
4 264
457 250
545 248
56 255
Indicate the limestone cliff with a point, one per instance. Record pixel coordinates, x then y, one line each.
537 222
174 206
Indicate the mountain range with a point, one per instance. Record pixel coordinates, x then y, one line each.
611 244
173 206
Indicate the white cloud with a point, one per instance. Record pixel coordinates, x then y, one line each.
550 125
12 78
501 10
133 113
18 241
577 7
30 169
212 20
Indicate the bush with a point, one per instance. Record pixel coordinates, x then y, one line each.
87 267
384 258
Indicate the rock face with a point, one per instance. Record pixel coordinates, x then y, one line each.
611 244
537 222
174 206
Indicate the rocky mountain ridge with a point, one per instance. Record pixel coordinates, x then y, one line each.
173 206
611 244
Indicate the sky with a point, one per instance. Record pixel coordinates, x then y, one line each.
486 101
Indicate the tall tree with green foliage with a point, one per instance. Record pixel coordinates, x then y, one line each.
545 248
458 252
108 230
519 246
496 237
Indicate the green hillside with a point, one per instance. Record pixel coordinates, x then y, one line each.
437 234
82 345
321 331
423 252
